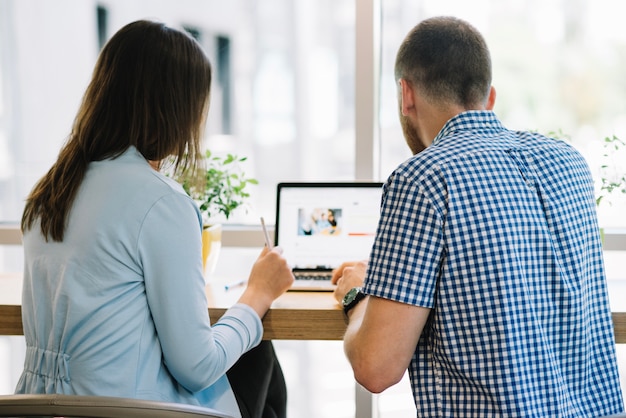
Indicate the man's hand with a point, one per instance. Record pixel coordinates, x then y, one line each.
350 274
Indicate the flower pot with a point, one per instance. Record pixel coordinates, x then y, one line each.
211 245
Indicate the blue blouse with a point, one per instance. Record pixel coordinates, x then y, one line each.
118 308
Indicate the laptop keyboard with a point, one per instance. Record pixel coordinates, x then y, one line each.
312 281
313 276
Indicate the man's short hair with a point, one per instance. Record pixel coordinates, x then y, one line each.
448 61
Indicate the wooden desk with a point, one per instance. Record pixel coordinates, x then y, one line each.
294 316
10 304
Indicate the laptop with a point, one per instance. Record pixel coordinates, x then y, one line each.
321 225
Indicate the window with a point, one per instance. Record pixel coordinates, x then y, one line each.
556 68
283 91
284 87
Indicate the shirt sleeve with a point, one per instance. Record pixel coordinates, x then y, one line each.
407 253
170 247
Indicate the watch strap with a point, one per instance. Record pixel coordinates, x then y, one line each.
357 298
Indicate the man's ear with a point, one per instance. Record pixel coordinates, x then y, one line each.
407 97
491 100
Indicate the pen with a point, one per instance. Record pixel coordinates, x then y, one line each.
268 242
234 285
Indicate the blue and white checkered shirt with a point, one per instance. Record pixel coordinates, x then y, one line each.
496 232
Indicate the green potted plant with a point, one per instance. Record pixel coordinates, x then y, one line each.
219 191
612 179
612 176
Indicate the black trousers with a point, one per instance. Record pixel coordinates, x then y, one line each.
259 384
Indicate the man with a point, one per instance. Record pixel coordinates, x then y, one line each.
486 277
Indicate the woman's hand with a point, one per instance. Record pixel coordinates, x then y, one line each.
270 277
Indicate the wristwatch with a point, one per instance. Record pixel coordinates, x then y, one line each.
354 296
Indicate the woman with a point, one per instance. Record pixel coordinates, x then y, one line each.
113 298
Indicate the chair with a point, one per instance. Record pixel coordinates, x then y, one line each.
98 407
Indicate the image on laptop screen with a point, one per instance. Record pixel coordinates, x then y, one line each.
321 225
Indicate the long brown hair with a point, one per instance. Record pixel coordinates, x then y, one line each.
150 89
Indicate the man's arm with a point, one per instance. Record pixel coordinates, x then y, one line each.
380 340
382 334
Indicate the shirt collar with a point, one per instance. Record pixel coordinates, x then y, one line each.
484 120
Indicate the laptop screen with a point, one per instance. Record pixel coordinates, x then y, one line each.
321 225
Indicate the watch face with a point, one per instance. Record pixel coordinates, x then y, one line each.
349 297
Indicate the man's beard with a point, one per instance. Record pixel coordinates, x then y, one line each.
412 137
